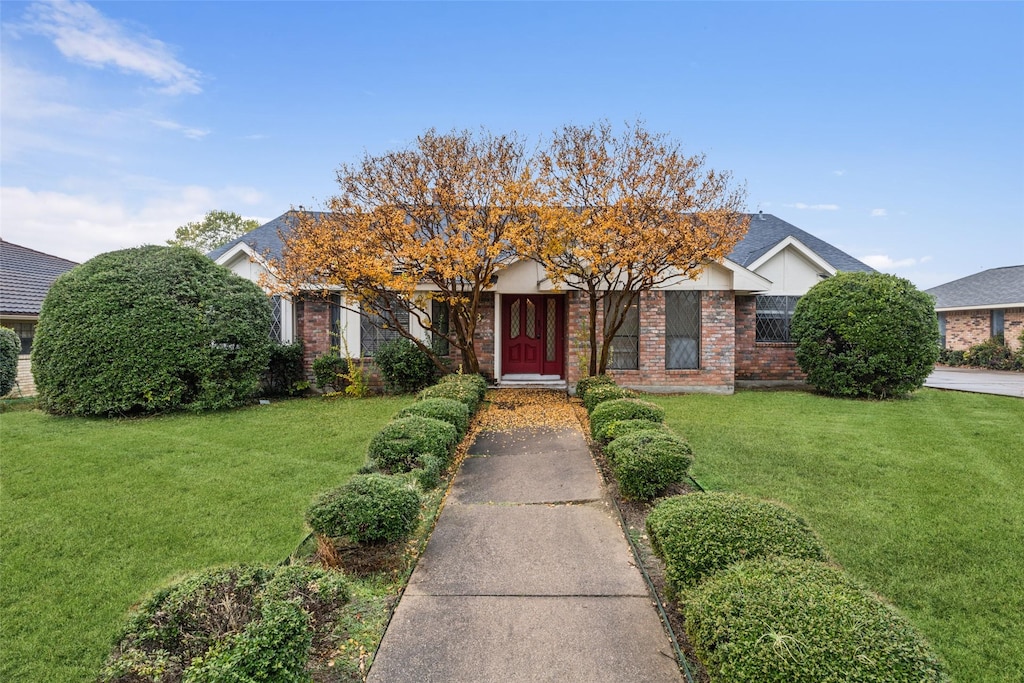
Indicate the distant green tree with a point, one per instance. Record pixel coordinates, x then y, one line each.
216 229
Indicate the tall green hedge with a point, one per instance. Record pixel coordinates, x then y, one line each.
866 334
147 330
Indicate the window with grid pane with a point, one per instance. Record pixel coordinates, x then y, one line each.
774 314
682 330
275 318
625 349
375 330
439 319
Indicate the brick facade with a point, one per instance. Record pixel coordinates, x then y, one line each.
717 327
761 362
965 329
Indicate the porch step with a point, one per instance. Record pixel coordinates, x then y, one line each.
532 382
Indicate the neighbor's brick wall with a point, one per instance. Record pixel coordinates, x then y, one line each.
965 329
717 345
761 362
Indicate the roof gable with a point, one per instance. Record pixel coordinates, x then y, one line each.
26 276
766 232
993 288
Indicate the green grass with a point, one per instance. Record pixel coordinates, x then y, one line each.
95 514
920 499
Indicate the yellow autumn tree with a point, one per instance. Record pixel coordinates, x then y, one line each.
620 213
434 222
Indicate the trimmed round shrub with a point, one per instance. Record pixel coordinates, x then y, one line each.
284 375
10 348
865 334
330 370
368 509
230 624
474 381
465 391
800 621
622 409
622 427
148 330
585 384
605 392
446 409
699 534
646 462
405 367
401 444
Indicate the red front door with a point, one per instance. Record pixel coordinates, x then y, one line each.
532 334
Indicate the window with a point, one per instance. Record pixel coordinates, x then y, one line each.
375 330
942 330
774 314
625 349
682 330
26 332
439 312
275 318
997 322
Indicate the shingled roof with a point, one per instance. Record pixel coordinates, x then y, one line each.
25 278
993 288
765 232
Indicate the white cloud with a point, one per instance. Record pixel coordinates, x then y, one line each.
879 213
840 172
80 226
191 133
84 35
885 263
813 207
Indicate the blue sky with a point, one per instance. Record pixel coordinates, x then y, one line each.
893 130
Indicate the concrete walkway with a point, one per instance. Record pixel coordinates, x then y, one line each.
977 381
527 577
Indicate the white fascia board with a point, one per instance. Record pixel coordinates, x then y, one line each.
799 246
979 307
745 279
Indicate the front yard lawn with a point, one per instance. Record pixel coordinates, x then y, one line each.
920 499
95 514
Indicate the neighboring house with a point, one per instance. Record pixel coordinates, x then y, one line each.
978 307
25 278
728 327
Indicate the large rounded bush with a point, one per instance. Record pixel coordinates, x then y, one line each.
370 508
445 409
701 533
622 409
10 347
800 621
147 330
405 367
866 334
402 444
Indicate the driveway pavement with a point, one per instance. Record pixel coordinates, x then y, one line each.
977 381
527 577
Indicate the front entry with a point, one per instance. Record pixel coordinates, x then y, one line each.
533 337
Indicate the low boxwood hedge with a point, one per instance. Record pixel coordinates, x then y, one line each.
585 384
230 624
647 462
798 621
699 534
613 430
368 509
605 392
447 410
467 389
401 444
622 409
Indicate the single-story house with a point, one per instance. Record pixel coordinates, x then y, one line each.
25 278
978 307
728 327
